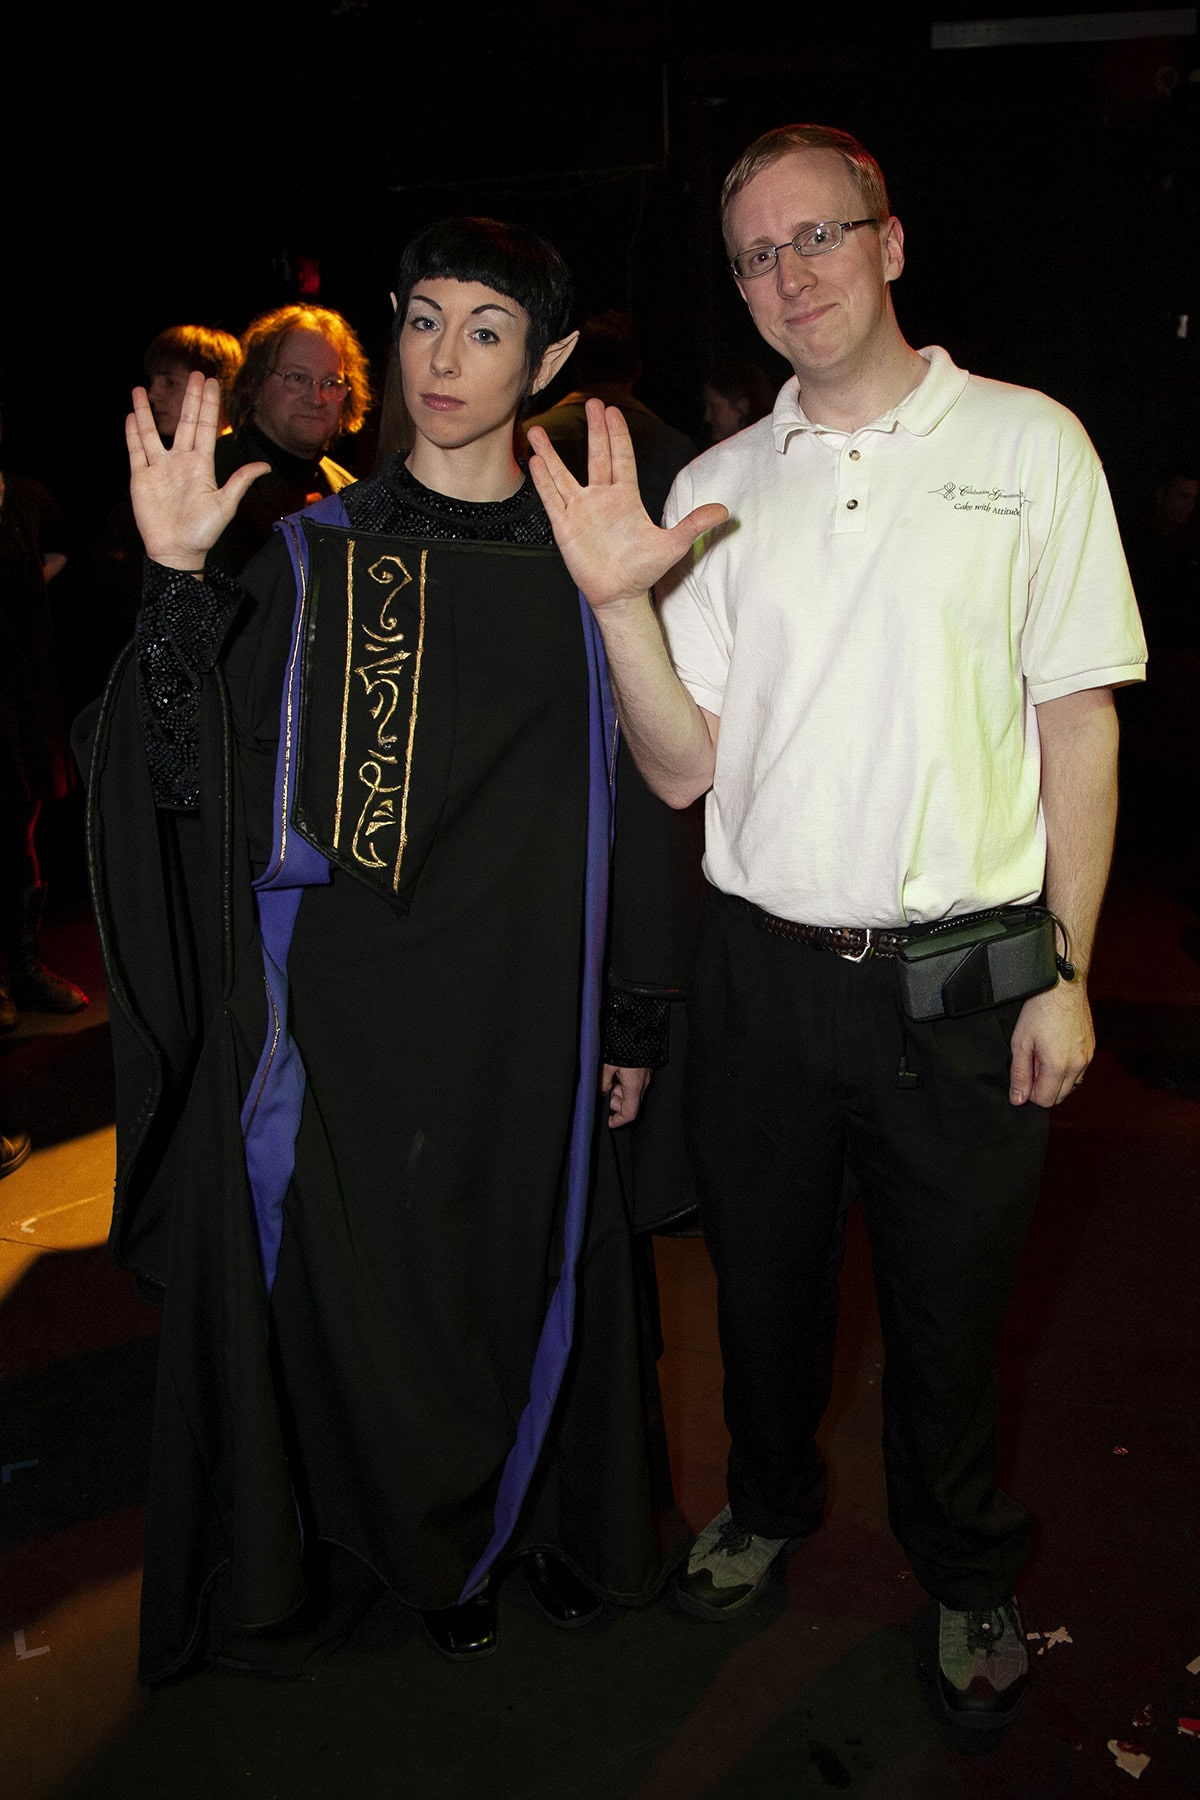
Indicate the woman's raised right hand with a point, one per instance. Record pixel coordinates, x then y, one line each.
180 510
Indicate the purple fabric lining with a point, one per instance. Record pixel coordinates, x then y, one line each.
271 1114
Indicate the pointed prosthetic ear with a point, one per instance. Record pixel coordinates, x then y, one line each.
552 362
395 302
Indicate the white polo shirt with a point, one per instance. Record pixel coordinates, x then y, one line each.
875 626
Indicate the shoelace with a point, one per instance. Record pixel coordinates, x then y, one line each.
984 1630
732 1540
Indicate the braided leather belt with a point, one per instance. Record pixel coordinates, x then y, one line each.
854 942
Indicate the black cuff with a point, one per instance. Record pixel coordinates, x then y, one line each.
636 1029
179 632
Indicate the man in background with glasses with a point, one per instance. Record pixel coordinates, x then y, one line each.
303 381
899 615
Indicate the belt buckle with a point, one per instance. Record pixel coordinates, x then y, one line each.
868 949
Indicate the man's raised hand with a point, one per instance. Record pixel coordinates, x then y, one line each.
608 541
180 510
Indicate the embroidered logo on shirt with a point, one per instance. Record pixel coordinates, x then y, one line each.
985 500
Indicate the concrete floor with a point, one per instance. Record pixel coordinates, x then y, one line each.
827 1688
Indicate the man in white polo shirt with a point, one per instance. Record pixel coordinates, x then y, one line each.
899 615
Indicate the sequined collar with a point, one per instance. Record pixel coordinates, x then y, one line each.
411 492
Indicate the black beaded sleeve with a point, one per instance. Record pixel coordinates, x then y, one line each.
635 1028
179 632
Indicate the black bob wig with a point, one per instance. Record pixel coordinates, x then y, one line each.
509 258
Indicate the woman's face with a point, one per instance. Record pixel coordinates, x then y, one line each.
463 361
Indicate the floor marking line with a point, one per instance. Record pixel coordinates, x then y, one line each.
52 1212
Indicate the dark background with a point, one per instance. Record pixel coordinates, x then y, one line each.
179 170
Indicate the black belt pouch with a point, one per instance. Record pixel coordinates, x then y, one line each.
978 960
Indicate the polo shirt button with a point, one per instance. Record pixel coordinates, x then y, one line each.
850 505
854 455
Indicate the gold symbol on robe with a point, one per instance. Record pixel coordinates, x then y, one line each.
375 670
378 814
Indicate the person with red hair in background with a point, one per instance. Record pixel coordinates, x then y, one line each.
303 381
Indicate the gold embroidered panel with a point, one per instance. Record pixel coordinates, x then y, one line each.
423 663
365 646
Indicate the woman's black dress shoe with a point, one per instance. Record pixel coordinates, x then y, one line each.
558 1591
464 1632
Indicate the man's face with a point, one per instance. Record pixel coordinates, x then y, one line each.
827 313
296 415
165 394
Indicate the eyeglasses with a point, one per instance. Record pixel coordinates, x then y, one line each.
813 240
331 387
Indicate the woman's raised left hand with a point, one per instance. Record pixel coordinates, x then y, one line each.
609 542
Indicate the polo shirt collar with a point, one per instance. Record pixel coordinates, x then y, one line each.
919 411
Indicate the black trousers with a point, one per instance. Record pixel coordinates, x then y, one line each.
802 1070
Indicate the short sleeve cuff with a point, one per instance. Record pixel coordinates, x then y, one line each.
710 698
1120 676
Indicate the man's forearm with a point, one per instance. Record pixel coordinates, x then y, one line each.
1079 800
672 740
1054 1042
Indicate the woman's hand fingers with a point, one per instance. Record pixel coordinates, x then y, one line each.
694 525
238 485
614 550
179 509
133 443
550 475
199 414
141 433
602 421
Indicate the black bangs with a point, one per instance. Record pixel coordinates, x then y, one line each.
509 258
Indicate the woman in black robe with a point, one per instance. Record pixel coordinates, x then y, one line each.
357 1107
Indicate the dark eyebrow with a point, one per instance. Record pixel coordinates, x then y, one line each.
488 306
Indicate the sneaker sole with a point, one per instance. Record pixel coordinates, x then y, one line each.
716 1615
976 1719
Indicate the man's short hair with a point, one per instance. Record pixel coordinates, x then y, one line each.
203 347
509 258
260 349
772 145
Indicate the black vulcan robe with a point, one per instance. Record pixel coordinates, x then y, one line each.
378 1395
